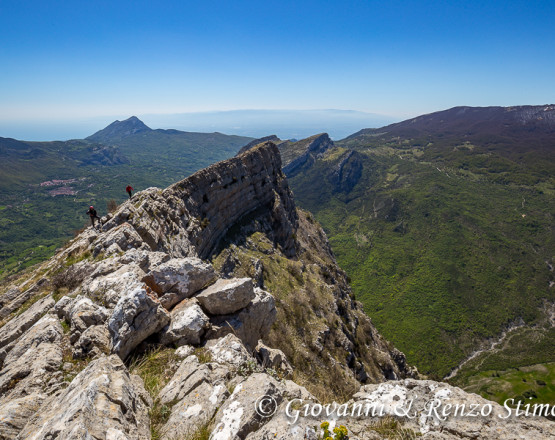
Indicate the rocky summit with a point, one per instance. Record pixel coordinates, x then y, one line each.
214 309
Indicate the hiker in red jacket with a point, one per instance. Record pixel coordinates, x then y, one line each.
129 189
92 214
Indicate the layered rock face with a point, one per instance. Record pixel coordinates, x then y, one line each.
296 155
190 217
206 309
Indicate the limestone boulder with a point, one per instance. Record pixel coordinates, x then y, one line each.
119 239
226 296
249 324
135 317
190 374
143 258
179 278
248 408
230 351
184 351
82 314
63 306
103 402
187 326
113 282
431 406
281 427
295 391
194 410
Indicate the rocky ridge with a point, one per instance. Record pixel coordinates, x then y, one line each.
273 138
236 291
296 155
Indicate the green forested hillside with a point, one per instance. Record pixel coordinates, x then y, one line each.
447 243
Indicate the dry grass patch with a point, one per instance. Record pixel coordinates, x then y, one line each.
156 368
391 428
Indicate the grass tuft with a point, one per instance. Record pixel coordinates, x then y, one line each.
391 428
156 368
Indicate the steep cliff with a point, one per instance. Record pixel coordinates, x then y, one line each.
205 308
190 217
297 155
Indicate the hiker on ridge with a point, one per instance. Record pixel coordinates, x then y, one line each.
129 189
92 214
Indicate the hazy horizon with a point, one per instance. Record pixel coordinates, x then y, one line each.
286 124
69 70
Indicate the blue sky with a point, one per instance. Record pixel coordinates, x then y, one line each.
69 62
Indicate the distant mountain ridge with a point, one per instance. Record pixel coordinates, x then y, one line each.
467 120
119 129
487 125
520 139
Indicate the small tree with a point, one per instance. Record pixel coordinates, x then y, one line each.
112 205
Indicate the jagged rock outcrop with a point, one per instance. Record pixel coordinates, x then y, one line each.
82 313
93 342
195 410
215 290
190 375
34 359
241 414
273 358
249 324
425 409
441 411
230 350
88 332
136 316
30 372
303 153
347 172
14 413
